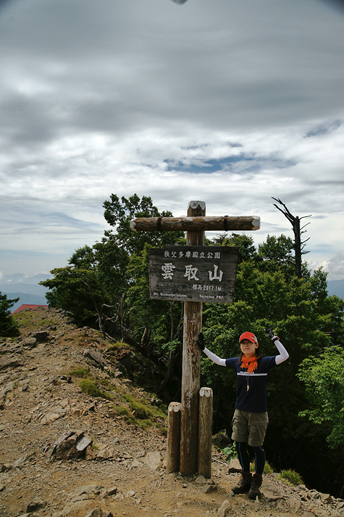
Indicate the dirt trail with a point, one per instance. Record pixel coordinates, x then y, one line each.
123 472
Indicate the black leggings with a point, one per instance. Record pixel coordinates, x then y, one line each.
244 458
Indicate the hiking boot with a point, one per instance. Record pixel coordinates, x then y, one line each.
254 491
244 483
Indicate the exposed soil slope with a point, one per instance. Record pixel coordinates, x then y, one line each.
120 440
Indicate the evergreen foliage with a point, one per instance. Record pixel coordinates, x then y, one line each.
324 380
106 286
8 327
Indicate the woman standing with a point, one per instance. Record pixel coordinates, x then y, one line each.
250 418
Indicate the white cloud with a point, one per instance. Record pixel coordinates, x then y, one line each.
335 266
228 102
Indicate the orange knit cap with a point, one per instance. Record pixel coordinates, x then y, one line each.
248 335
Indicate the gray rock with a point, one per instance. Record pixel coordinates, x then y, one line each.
326 498
153 460
38 504
29 343
5 467
97 512
10 361
104 453
88 490
111 491
225 509
210 488
23 459
73 509
40 336
53 415
84 442
95 356
7 389
234 466
11 348
272 495
294 504
71 445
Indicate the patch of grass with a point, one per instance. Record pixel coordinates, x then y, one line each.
89 386
291 477
79 372
32 320
162 428
107 384
122 410
267 468
140 410
132 419
144 424
115 347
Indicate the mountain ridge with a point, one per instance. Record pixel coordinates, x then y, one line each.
58 382
33 293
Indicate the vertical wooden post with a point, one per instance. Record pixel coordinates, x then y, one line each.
204 434
173 437
191 364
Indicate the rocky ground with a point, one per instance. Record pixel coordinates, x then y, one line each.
65 453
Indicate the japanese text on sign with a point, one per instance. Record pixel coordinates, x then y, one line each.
193 273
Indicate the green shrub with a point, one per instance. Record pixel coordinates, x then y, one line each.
268 469
122 411
88 386
144 423
141 410
106 384
79 372
230 452
291 477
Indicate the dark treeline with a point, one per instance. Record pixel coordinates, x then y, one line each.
106 286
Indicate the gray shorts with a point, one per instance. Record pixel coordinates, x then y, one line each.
249 427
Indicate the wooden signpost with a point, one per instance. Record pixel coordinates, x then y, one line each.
193 274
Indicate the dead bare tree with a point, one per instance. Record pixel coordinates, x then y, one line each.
298 230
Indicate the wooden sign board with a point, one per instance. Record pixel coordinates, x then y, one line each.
193 273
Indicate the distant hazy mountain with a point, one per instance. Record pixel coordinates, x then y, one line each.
24 287
336 287
25 298
29 291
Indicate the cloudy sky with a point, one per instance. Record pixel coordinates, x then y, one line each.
231 102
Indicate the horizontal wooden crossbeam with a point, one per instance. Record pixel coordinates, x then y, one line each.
195 224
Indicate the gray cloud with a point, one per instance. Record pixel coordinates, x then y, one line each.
324 128
230 102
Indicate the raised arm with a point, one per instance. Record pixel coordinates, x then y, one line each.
283 354
213 357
